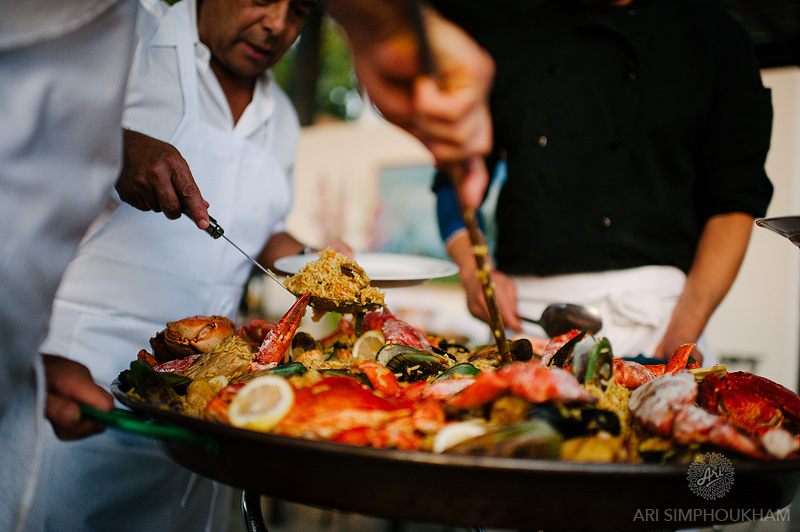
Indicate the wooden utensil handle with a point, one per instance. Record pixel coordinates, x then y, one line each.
479 248
481 253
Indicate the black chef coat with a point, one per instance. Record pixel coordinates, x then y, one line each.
624 129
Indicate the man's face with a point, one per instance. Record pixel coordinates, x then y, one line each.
246 37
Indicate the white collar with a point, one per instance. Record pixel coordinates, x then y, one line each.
262 105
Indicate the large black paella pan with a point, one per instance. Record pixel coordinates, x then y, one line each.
473 491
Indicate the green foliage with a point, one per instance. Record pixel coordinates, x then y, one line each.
337 90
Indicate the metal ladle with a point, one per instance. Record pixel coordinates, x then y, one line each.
560 318
787 226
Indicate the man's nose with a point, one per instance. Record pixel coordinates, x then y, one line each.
275 16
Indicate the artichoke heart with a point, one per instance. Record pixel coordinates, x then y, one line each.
231 358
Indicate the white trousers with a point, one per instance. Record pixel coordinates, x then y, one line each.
142 494
635 304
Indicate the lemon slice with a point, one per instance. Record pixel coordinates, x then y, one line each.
261 403
368 345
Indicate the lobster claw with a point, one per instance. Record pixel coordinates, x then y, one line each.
276 345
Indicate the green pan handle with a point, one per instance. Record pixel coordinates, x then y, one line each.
127 421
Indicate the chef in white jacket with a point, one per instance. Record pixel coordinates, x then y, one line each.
63 65
199 83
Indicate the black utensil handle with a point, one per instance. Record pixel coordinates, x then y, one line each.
213 229
530 320
252 516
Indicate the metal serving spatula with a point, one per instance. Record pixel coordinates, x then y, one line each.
787 226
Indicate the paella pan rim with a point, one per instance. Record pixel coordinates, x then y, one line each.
504 493
205 427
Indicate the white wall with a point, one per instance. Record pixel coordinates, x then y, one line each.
337 178
760 317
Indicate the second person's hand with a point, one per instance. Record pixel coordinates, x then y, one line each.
447 110
505 293
68 385
155 177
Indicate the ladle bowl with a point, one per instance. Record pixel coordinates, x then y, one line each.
560 318
786 226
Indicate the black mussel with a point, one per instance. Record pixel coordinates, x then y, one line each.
600 364
389 351
153 386
452 349
582 352
599 419
563 356
592 361
465 369
362 378
532 439
358 323
288 370
410 364
338 372
125 380
565 421
178 383
485 352
414 367
520 349
302 342
572 423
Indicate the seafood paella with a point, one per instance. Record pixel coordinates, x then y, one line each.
385 384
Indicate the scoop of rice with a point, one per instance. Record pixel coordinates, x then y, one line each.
336 278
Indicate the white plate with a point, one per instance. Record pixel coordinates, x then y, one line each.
385 270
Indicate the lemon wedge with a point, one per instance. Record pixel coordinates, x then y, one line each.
261 403
368 345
